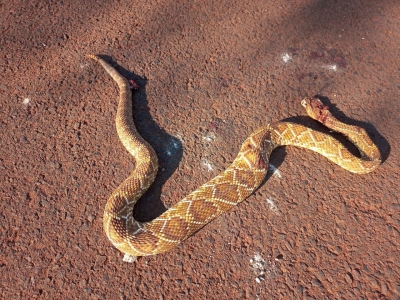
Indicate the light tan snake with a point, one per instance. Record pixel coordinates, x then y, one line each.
226 190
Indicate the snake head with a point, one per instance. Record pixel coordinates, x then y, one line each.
316 109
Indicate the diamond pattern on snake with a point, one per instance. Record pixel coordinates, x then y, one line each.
226 190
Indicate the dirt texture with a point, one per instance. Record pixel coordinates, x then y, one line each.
210 72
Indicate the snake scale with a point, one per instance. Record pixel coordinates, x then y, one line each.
226 190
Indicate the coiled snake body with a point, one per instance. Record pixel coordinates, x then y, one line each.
226 190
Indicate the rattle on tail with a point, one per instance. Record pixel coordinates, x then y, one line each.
227 189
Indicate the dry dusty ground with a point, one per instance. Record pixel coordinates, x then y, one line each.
210 73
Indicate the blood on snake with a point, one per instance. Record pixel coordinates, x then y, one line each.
226 190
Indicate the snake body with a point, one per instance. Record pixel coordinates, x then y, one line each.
224 191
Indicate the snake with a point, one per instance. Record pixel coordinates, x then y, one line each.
245 174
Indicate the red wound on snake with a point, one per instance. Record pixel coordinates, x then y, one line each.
133 85
320 112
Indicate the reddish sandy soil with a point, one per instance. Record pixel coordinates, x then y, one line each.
210 72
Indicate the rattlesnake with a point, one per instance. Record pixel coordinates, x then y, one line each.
226 190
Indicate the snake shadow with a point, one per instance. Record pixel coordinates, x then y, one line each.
168 148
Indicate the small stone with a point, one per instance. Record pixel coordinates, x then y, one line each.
54 164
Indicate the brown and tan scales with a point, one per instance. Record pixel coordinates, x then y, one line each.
226 190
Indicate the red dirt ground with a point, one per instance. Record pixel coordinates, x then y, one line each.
210 73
